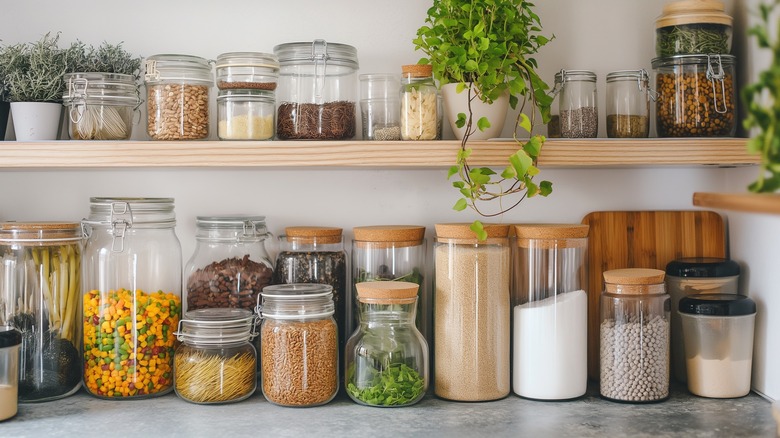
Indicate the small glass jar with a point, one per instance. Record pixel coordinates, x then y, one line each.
316 255
100 106
387 357
178 89
132 302
379 106
628 104
472 313
419 103
690 27
247 71
693 276
245 114
317 94
216 363
634 336
391 253
696 96
550 312
40 293
577 104
299 345
10 341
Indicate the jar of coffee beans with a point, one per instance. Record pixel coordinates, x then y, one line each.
696 96
628 104
634 336
178 89
578 115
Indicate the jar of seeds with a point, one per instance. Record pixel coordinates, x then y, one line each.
578 115
634 336
628 104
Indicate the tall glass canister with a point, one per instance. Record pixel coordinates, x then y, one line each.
550 312
472 313
40 291
132 301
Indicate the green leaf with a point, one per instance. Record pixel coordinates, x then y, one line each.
520 161
483 123
460 205
461 122
471 65
525 122
452 171
508 173
479 230
545 188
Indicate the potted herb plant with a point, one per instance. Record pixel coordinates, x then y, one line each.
485 49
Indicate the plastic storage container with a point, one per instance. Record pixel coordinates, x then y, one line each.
471 313
247 71
216 363
317 93
10 340
419 103
380 106
550 312
132 302
178 89
691 276
40 294
101 106
387 357
696 96
718 332
693 27
634 336
628 104
245 114
299 345
578 115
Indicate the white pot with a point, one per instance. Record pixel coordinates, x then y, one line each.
455 103
36 121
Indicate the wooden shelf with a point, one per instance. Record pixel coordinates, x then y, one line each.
555 153
741 202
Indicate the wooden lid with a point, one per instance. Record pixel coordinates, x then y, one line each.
634 276
417 70
386 292
40 231
551 235
463 231
402 235
312 234
693 11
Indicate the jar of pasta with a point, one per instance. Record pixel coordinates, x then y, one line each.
419 103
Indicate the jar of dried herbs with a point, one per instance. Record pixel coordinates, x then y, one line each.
628 104
691 27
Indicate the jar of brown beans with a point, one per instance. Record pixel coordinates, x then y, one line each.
178 90
696 96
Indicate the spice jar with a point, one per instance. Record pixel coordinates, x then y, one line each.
693 27
316 255
718 333
177 97
387 357
10 340
100 106
550 312
317 91
472 313
634 336
419 105
696 96
215 363
39 295
132 304
692 276
299 345
245 114
628 104
577 104
379 106
391 253
247 71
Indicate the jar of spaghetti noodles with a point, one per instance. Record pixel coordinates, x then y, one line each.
100 106
216 363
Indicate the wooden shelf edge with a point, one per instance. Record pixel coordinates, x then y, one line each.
739 202
356 153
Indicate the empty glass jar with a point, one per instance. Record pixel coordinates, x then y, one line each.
380 106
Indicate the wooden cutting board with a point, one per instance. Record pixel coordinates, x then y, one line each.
643 239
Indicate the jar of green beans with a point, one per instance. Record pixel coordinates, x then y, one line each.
101 106
692 27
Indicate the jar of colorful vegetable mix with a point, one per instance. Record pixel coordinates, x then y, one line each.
692 27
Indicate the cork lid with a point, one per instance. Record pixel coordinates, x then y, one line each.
386 292
463 231
693 11
40 231
634 281
312 233
417 70
397 235
551 235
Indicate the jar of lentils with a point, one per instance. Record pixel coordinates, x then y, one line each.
634 336
178 89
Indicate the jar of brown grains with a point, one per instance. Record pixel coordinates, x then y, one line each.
247 70
298 344
628 104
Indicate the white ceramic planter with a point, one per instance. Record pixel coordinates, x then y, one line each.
36 121
455 103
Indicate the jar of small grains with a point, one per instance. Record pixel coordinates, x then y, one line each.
245 114
634 336
247 71
578 115
628 104
299 344
178 91
379 106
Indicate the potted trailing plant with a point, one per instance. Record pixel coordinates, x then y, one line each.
5 107
486 48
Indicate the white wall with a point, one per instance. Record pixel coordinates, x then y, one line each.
599 35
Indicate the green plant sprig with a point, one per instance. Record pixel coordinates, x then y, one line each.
763 107
33 72
398 384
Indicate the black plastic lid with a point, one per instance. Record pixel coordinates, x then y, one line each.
705 267
717 305
9 336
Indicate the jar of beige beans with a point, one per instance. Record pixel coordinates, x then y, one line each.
472 313
298 344
178 91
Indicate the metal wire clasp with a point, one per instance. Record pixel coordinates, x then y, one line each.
712 75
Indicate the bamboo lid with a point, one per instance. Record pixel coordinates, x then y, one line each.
40 231
386 292
693 11
311 234
417 70
398 235
634 281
